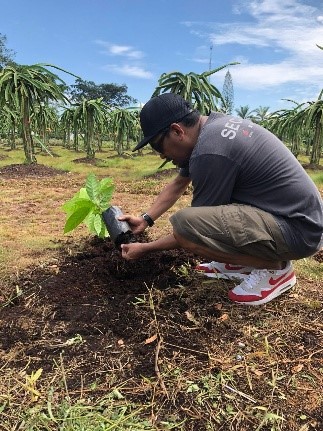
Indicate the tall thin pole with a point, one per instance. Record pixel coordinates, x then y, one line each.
210 61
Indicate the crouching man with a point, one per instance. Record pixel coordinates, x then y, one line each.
254 208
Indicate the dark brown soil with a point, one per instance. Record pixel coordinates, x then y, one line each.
31 170
123 323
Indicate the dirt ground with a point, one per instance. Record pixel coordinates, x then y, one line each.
137 324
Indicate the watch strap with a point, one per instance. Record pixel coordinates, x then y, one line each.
148 219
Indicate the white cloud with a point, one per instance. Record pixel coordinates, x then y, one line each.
120 50
133 68
288 28
258 76
128 70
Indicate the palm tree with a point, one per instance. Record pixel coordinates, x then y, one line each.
193 87
262 113
8 122
311 118
44 120
90 114
244 112
22 88
124 125
66 124
282 123
302 123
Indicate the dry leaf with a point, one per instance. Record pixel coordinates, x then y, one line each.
191 318
257 372
297 368
151 339
224 317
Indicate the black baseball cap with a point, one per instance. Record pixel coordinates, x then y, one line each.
160 112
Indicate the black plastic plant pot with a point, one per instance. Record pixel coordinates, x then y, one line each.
119 231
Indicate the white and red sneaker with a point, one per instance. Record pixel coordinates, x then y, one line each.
263 285
223 270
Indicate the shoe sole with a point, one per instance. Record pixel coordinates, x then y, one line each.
222 276
271 296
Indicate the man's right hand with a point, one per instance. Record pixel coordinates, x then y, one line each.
137 224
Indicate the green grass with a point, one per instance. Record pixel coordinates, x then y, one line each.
129 167
60 410
317 177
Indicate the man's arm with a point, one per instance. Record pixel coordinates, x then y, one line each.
168 196
165 200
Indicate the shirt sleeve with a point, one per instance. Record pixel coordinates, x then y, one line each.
213 180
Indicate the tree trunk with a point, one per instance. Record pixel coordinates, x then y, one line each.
12 137
89 136
76 138
26 135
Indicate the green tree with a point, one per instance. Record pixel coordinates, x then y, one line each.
282 123
8 121
244 112
22 89
44 121
6 54
303 123
124 125
228 93
111 94
262 113
66 123
91 115
193 87
311 118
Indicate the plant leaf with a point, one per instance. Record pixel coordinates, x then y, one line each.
75 203
97 223
76 218
92 187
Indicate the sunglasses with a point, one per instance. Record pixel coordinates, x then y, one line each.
158 145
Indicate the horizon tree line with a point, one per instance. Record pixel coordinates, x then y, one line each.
31 97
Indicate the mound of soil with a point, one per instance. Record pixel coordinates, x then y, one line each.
31 170
163 174
90 292
87 160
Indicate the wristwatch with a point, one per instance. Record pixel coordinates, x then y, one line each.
148 219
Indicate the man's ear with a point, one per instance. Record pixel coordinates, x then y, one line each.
178 130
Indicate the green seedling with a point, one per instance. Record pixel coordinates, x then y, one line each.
87 205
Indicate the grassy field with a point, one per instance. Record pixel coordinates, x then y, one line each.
172 353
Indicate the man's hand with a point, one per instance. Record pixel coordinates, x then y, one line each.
136 250
137 224
133 251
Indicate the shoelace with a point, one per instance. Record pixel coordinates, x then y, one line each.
256 275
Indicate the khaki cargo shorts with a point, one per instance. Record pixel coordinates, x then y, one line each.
233 229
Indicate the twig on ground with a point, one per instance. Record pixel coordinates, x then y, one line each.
157 371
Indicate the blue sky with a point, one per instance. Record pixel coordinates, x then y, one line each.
133 42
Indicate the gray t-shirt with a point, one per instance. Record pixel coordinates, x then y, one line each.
237 161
